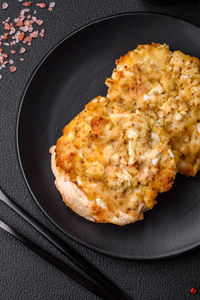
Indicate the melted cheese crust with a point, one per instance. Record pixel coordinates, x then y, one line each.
165 86
120 159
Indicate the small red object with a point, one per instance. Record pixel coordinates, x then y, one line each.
39 22
21 36
13 69
20 23
27 4
7 26
193 291
29 39
5 36
41 5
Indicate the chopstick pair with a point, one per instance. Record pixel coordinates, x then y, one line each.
66 269
105 289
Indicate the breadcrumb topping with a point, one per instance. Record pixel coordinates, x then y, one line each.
165 86
114 156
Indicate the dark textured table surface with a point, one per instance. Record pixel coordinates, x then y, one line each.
24 275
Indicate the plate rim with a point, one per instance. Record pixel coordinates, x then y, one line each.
81 242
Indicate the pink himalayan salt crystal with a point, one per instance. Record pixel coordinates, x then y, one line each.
12 30
13 69
22 50
4 5
24 28
41 5
39 22
52 4
26 20
34 34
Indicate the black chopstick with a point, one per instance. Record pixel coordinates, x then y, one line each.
63 267
71 253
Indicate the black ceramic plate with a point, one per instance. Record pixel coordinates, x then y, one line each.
69 77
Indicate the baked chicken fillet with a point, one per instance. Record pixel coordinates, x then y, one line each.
164 85
112 161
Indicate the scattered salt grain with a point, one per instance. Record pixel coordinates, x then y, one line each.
12 31
27 4
4 5
41 34
39 22
24 28
21 29
23 11
34 34
30 29
13 69
41 5
22 50
52 4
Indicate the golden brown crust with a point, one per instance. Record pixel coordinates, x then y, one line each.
78 202
118 159
121 151
164 85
